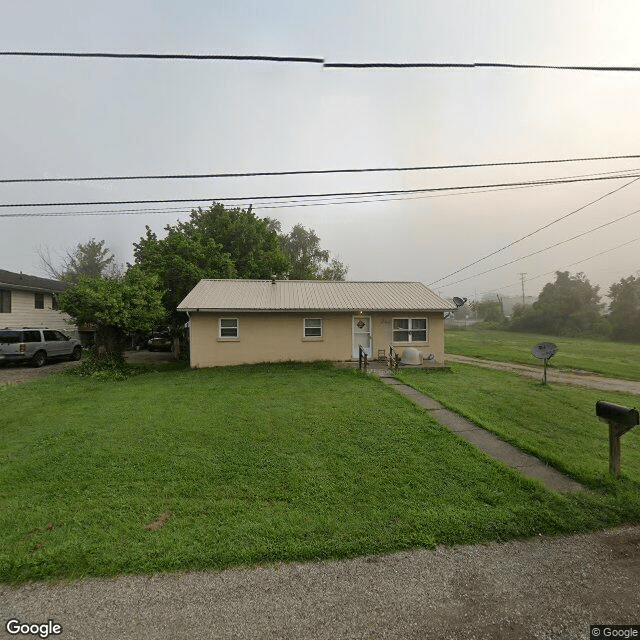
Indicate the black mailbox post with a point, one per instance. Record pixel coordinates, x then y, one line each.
620 420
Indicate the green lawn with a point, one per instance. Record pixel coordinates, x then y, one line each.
251 464
556 422
614 359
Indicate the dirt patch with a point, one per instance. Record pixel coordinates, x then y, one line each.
148 357
160 520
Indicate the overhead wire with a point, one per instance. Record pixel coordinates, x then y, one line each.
551 246
197 176
532 233
566 266
316 61
254 198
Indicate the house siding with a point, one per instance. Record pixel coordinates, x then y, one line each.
24 314
272 337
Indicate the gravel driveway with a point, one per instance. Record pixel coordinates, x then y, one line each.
545 588
578 378
11 373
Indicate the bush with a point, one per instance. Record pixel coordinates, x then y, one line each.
111 367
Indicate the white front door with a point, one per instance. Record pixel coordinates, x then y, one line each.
361 335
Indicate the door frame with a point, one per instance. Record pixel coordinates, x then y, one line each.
354 346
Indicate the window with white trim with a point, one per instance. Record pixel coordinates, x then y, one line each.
228 328
409 329
313 327
39 300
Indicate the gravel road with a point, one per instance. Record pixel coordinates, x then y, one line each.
544 588
578 378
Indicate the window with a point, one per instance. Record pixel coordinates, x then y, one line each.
409 329
228 328
39 300
5 301
54 301
313 327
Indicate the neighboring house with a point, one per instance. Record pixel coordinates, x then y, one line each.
30 301
245 321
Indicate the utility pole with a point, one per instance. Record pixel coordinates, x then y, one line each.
522 275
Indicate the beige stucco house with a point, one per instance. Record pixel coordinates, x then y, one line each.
30 301
246 321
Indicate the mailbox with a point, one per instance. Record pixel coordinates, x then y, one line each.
620 420
616 413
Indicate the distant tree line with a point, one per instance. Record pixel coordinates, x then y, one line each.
217 242
572 306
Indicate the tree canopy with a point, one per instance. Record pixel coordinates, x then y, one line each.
308 260
229 243
488 310
624 310
568 306
213 243
89 259
115 306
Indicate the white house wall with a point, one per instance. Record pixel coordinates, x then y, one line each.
24 314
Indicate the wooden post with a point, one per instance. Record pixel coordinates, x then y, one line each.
614 449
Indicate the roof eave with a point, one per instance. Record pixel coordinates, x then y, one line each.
308 310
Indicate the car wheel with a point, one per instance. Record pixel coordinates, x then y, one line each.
39 359
77 353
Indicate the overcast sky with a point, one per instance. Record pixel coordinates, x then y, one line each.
98 117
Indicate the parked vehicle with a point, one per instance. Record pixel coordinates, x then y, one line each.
160 341
36 345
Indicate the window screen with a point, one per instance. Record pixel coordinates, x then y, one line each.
313 327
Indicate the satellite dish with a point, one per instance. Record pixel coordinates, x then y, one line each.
544 350
459 301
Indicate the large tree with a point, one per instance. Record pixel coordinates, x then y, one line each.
251 245
624 310
179 261
308 260
213 243
488 310
569 306
89 259
115 306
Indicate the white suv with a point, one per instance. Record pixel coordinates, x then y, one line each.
36 345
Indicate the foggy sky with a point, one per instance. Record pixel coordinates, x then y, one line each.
70 117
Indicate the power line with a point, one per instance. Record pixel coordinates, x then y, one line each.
551 246
528 235
161 56
285 204
566 266
549 181
251 174
315 61
471 65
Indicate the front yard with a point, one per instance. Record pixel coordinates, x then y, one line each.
179 469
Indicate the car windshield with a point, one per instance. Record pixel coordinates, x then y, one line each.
10 337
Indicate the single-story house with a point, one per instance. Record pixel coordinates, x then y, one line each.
30 301
246 321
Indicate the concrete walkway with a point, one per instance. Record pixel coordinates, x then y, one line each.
498 449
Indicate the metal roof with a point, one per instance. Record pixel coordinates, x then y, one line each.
11 280
311 295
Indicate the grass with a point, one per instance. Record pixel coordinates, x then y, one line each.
556 422
613 359
182 469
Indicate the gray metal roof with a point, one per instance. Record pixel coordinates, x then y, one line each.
11 280
311 295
